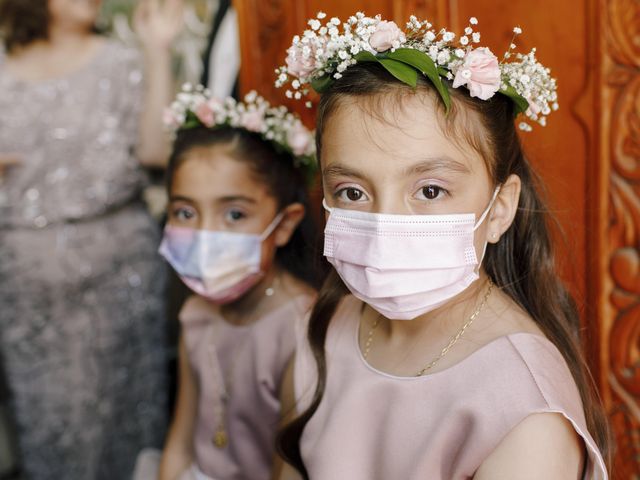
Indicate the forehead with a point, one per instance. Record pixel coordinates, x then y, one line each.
207 172
368 132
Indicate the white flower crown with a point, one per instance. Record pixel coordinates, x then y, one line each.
195 107
321 55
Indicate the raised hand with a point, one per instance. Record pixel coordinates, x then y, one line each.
157 22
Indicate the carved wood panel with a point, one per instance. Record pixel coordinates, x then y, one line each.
619 95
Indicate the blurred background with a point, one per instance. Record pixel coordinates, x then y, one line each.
588 156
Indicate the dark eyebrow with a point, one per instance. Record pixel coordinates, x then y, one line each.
338 170
236 198
438 163
180 198
227 199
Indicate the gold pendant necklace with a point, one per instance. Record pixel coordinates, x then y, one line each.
445 350
220 438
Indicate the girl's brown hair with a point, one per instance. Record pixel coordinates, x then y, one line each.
23 22
521 264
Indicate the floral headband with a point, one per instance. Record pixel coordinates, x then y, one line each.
195 107
321 55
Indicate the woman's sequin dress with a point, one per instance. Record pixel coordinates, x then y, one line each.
82 330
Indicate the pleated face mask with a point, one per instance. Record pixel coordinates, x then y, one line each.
221 266
403 266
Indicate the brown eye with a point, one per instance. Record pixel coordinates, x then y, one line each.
353 194
431 192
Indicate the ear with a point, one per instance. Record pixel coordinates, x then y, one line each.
504 209
292 216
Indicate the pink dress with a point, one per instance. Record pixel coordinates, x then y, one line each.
248 361
372 425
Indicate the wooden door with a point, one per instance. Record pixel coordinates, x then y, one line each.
588 156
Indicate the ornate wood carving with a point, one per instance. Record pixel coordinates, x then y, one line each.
620 137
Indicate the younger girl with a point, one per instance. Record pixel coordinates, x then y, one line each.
456 355
238 237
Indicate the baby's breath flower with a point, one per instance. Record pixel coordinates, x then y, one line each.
325 52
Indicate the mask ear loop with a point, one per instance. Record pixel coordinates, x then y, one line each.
482 219
325 206
488 209
272 226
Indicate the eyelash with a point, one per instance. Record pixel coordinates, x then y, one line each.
338 194
440 190
229 219
183 214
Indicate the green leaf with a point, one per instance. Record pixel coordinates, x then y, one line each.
521 103
403 72
426 66
321 84
400 70
365 56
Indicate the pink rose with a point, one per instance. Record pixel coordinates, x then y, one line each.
205 114
253 121
206 111
299 139
386 36
170 119
297 65
480 72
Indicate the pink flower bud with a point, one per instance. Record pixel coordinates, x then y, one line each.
386 36
205 114
297 65
299 139
480 72
253 121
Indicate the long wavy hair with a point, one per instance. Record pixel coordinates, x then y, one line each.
521 264
284 181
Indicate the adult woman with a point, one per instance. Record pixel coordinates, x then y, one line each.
80 281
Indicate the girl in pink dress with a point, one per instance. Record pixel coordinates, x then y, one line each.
238 236
443 344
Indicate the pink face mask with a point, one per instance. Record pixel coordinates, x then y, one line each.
403 266
220 266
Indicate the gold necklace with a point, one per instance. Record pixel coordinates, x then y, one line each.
220 437
445 350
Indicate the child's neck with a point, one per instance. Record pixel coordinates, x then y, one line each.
441 321
256 302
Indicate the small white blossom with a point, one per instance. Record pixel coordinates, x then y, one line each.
330 49
448 36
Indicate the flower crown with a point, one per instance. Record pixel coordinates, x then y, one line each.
321 55
195 107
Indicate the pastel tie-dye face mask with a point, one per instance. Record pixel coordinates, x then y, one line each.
221 266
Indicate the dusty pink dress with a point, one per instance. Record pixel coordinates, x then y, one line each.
372 425
248 361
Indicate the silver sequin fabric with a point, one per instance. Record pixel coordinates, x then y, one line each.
83 334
